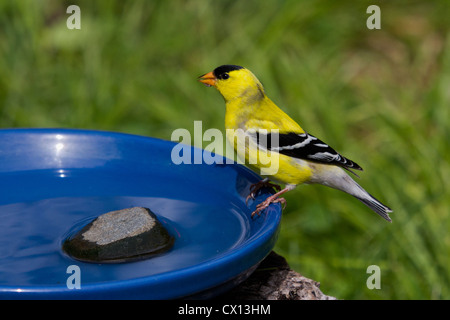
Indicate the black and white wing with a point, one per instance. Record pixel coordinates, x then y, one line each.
304 146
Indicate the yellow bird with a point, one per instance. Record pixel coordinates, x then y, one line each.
260 130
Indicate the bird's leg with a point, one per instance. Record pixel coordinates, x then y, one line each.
272 199
254 188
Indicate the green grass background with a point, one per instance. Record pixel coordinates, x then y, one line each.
380 97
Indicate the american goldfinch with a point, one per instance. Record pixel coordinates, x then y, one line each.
302 158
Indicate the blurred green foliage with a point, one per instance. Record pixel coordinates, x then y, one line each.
380 97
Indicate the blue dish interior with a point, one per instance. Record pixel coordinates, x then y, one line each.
55 181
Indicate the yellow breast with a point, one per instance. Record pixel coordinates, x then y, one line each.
276 166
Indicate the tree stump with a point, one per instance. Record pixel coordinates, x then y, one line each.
275 280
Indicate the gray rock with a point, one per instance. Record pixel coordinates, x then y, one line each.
120 236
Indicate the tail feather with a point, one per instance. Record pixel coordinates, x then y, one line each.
342 181
376 206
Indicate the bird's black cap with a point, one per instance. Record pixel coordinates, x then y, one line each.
220 71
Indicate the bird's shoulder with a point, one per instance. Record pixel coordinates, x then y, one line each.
268 116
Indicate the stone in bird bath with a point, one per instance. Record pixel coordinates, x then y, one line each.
120 236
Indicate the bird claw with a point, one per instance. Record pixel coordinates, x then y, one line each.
250 196
263 205
254 188
275 198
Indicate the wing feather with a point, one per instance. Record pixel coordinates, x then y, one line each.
304 146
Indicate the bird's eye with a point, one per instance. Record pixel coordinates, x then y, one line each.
225 76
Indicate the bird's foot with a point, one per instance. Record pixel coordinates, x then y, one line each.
275 198
263 205
254 188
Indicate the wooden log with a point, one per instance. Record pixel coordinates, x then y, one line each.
275 280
